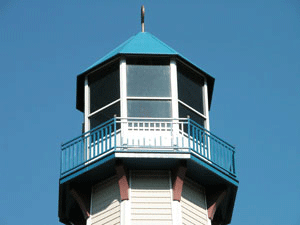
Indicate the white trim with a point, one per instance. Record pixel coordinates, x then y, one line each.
174 88
123 87
152 155
176 213
89 221
123 97
192 109
104 107
205 101
206 122
86 104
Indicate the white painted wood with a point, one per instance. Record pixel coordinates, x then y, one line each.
191 108
88 221
206 110
150 197
104 107
174 88
208 222
123 96
174 95
123 87
125 212
193 204
86 104
105 203
153 155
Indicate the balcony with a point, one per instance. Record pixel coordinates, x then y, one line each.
140 135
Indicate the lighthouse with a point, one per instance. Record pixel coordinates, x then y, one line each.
146 154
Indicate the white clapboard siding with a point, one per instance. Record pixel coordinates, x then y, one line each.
193 204
150 198
105 207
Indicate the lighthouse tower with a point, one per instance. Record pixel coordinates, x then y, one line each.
146 154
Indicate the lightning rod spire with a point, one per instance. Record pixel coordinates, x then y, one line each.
143 18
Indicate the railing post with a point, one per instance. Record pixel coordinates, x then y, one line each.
61 159
233 162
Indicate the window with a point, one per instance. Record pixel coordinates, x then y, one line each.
149 88
190 94
104 87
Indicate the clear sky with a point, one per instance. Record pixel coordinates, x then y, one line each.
252 48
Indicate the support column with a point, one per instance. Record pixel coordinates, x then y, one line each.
124 193
178 181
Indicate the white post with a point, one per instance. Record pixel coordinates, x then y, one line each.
86 105
174 95
86 115
123 97
206 105
89 221
206 113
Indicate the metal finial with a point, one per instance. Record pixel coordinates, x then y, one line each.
143 18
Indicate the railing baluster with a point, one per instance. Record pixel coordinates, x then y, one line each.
110 136
81 150
102 137
106 142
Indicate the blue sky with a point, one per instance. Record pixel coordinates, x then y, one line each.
252 48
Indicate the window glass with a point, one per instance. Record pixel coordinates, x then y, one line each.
184 112
190 88
104 87
148 81
149 108
104 115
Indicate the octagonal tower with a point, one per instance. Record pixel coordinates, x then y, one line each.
146 154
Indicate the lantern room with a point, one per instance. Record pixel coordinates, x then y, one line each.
144 78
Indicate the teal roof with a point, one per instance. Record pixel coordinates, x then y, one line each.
141 43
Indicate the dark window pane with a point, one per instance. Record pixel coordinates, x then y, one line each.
104 86
190 85
148 81
105 115
149 108
184 112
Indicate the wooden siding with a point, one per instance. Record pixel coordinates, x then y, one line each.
150 198
193 204
105 208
